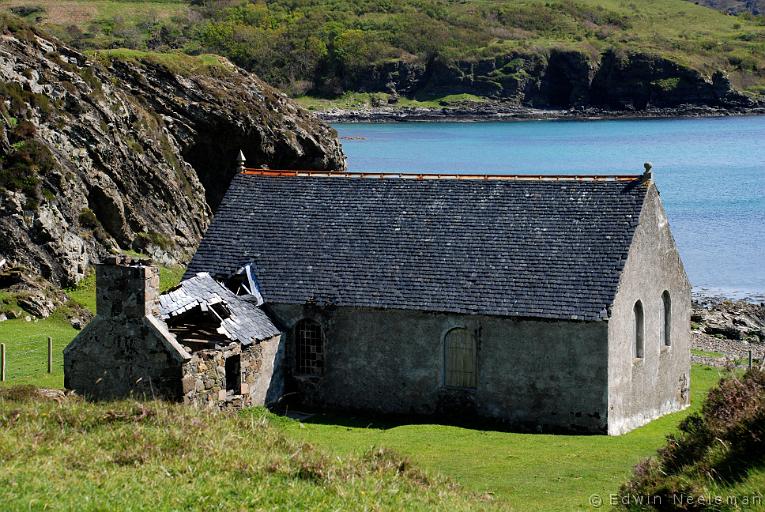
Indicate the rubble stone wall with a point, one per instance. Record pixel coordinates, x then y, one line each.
204 376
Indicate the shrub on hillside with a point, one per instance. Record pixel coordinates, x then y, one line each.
713 449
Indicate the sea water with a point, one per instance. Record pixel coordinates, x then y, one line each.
710 173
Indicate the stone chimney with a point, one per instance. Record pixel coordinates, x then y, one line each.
126 288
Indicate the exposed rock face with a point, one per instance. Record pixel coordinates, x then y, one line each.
725 332
735 6
737 320
558 79
127 154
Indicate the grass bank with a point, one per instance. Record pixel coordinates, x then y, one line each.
74 455
365 100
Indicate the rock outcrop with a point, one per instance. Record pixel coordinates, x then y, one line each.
734 320
725 332
557 79
755 7
129 151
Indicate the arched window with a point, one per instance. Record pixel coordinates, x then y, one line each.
309 348
639 329
666 321
460 359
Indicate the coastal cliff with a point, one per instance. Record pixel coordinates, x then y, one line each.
129 151
556 84
558 79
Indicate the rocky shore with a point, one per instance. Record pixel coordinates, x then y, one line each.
503 111
723 332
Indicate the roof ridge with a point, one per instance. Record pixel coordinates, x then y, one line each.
439 176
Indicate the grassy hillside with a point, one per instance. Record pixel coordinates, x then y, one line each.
68 454
295 44
717 456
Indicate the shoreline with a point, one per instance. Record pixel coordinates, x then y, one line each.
488 112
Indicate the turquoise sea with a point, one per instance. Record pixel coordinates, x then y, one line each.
710 172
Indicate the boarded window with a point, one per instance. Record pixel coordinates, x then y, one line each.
309 348
234 374
639 329
460 359
666 321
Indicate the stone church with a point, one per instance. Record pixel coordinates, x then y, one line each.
550 303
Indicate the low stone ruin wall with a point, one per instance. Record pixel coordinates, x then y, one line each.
204 377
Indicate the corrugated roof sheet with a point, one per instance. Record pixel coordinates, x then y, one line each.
532 248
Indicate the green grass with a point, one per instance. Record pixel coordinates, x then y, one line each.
82 456
523 471
752 485
27 342
356 100
706 353
158 456
178 63
26 349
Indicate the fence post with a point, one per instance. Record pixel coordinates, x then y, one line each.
2 362
50 355
750 359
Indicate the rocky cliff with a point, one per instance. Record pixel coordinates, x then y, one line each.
756 7
557 79
129 151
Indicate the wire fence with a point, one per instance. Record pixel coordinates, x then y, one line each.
20 360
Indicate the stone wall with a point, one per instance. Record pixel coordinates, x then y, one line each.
641 389
535 374
125 350
204 376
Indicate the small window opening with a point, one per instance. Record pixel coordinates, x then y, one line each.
666 324
639 329
309 348
234 374
460 359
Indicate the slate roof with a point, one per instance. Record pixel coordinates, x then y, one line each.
246 323
509 247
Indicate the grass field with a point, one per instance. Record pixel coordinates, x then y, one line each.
706 353
151 456
522 471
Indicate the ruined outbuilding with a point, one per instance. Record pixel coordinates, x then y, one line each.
199 343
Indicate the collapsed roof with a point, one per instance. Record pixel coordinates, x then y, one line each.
202 310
